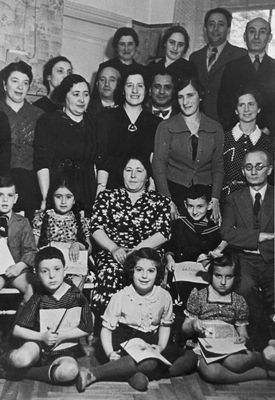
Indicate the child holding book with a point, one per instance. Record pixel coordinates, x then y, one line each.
50 326
194 237
63 222
219 301
141 310
17 231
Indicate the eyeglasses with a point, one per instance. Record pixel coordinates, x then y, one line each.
258 167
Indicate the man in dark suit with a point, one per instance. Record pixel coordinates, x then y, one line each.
211 59
257 69
248 225
162 102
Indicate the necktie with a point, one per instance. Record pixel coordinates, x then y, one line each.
212 57
4 226
257 62
194 141
160 113
257 204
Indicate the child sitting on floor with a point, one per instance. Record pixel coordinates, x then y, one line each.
62 222
141 310
20 240
194 237
218 301
50 326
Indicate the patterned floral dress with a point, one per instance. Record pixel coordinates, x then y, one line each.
127 225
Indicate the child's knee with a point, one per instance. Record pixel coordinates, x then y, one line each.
67 371
147 366
210 373
20 358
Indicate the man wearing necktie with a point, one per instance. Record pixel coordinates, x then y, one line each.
255 69
211 60
248 225
162 102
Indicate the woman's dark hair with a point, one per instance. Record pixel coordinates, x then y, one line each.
229 259
136 71
248 90
124 31
143 160
60 93
62 180
48 68
176 29
182 83
19 66
48 253
219 10
147 253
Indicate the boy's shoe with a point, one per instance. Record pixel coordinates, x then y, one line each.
139 382
85 378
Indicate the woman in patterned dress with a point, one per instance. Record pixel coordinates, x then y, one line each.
124 220
244 137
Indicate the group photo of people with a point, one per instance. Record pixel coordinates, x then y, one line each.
152 169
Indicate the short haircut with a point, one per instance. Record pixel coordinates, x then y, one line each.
228 259
162 72
148 254
60 93
7 181
48 253
219 10
48 67
176 29
124 31
258 150
248 90
19 66
198 191
193 81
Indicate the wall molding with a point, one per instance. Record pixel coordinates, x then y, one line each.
95 15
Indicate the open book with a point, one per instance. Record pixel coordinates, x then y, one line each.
79 267
216 349
190 271
139 350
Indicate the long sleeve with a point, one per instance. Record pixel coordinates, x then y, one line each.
160 159
5 144
217 163
44 143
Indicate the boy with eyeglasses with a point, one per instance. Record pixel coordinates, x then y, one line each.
248 225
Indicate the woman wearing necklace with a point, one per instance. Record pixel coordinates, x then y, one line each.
127 129
244 137
189 150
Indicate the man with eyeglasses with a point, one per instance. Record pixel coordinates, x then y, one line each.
248 226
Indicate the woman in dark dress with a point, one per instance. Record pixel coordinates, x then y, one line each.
127 129
22 116
66 141
54 71
175 42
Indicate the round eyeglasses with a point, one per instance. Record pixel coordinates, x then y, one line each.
258 167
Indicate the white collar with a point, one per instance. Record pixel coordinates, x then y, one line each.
108 104
262 191
252 56
254 136
165 109
219 49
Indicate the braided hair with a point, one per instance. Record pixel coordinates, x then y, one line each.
62 181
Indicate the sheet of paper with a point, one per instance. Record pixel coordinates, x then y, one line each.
190 271
6 259
139 350
51 319
80 267
219 329
216 349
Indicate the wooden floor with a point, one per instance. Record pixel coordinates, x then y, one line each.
189 387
